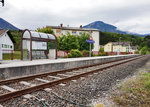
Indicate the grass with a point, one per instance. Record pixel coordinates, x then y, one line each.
16 55
134 93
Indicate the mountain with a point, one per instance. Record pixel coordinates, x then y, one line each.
6 25
108 28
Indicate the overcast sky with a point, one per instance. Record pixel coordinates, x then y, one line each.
127 15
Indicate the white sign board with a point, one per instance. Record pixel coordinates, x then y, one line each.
1 53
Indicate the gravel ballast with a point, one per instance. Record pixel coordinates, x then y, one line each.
85 91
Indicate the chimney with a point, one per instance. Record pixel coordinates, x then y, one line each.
61 25
80 26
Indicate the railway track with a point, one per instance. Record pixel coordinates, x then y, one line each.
25 85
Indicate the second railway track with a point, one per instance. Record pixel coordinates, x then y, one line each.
25 85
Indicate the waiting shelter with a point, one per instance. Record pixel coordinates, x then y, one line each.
34 45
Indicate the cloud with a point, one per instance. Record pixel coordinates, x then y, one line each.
128 15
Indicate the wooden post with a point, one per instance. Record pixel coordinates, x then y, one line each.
12 56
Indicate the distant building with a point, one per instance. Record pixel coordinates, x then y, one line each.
60 30
134 48
117 47
6 41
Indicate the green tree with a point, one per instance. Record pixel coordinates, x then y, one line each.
101 50
147 41
68 42
106 37
74 53
17 38
82 41
144 50
48 30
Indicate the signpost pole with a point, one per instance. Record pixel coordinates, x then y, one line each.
90 50
90 41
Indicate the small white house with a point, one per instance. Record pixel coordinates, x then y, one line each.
6 41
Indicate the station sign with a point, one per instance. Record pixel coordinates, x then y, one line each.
90 41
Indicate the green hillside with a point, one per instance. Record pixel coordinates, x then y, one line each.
143 43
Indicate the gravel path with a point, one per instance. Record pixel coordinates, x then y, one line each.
90 90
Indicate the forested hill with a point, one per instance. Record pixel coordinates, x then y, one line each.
106 37
104 27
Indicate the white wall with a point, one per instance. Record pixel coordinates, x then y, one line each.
5 40
95 36
52 54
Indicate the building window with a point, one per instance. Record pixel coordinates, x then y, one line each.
10 46
58 30
80 33
127 48
73 32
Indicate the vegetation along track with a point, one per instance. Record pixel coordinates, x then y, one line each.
9 88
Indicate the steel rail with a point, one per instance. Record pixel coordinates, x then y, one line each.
10 95
29 77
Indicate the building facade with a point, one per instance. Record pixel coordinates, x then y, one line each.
6 41
60 30
134 48
117 47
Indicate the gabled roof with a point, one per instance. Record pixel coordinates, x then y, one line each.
73 28
3 31
134 47
121 43
6 25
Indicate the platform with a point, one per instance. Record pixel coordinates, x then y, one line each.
11 69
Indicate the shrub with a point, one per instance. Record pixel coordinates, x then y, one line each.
69 56
85 53
144 50
101 50
103 54
136 52
74 53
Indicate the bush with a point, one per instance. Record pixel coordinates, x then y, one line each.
144 50
74 53
136 52
69 55
85 53
103 54
101 50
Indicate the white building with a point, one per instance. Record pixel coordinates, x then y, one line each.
134 48
6 41
60 30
